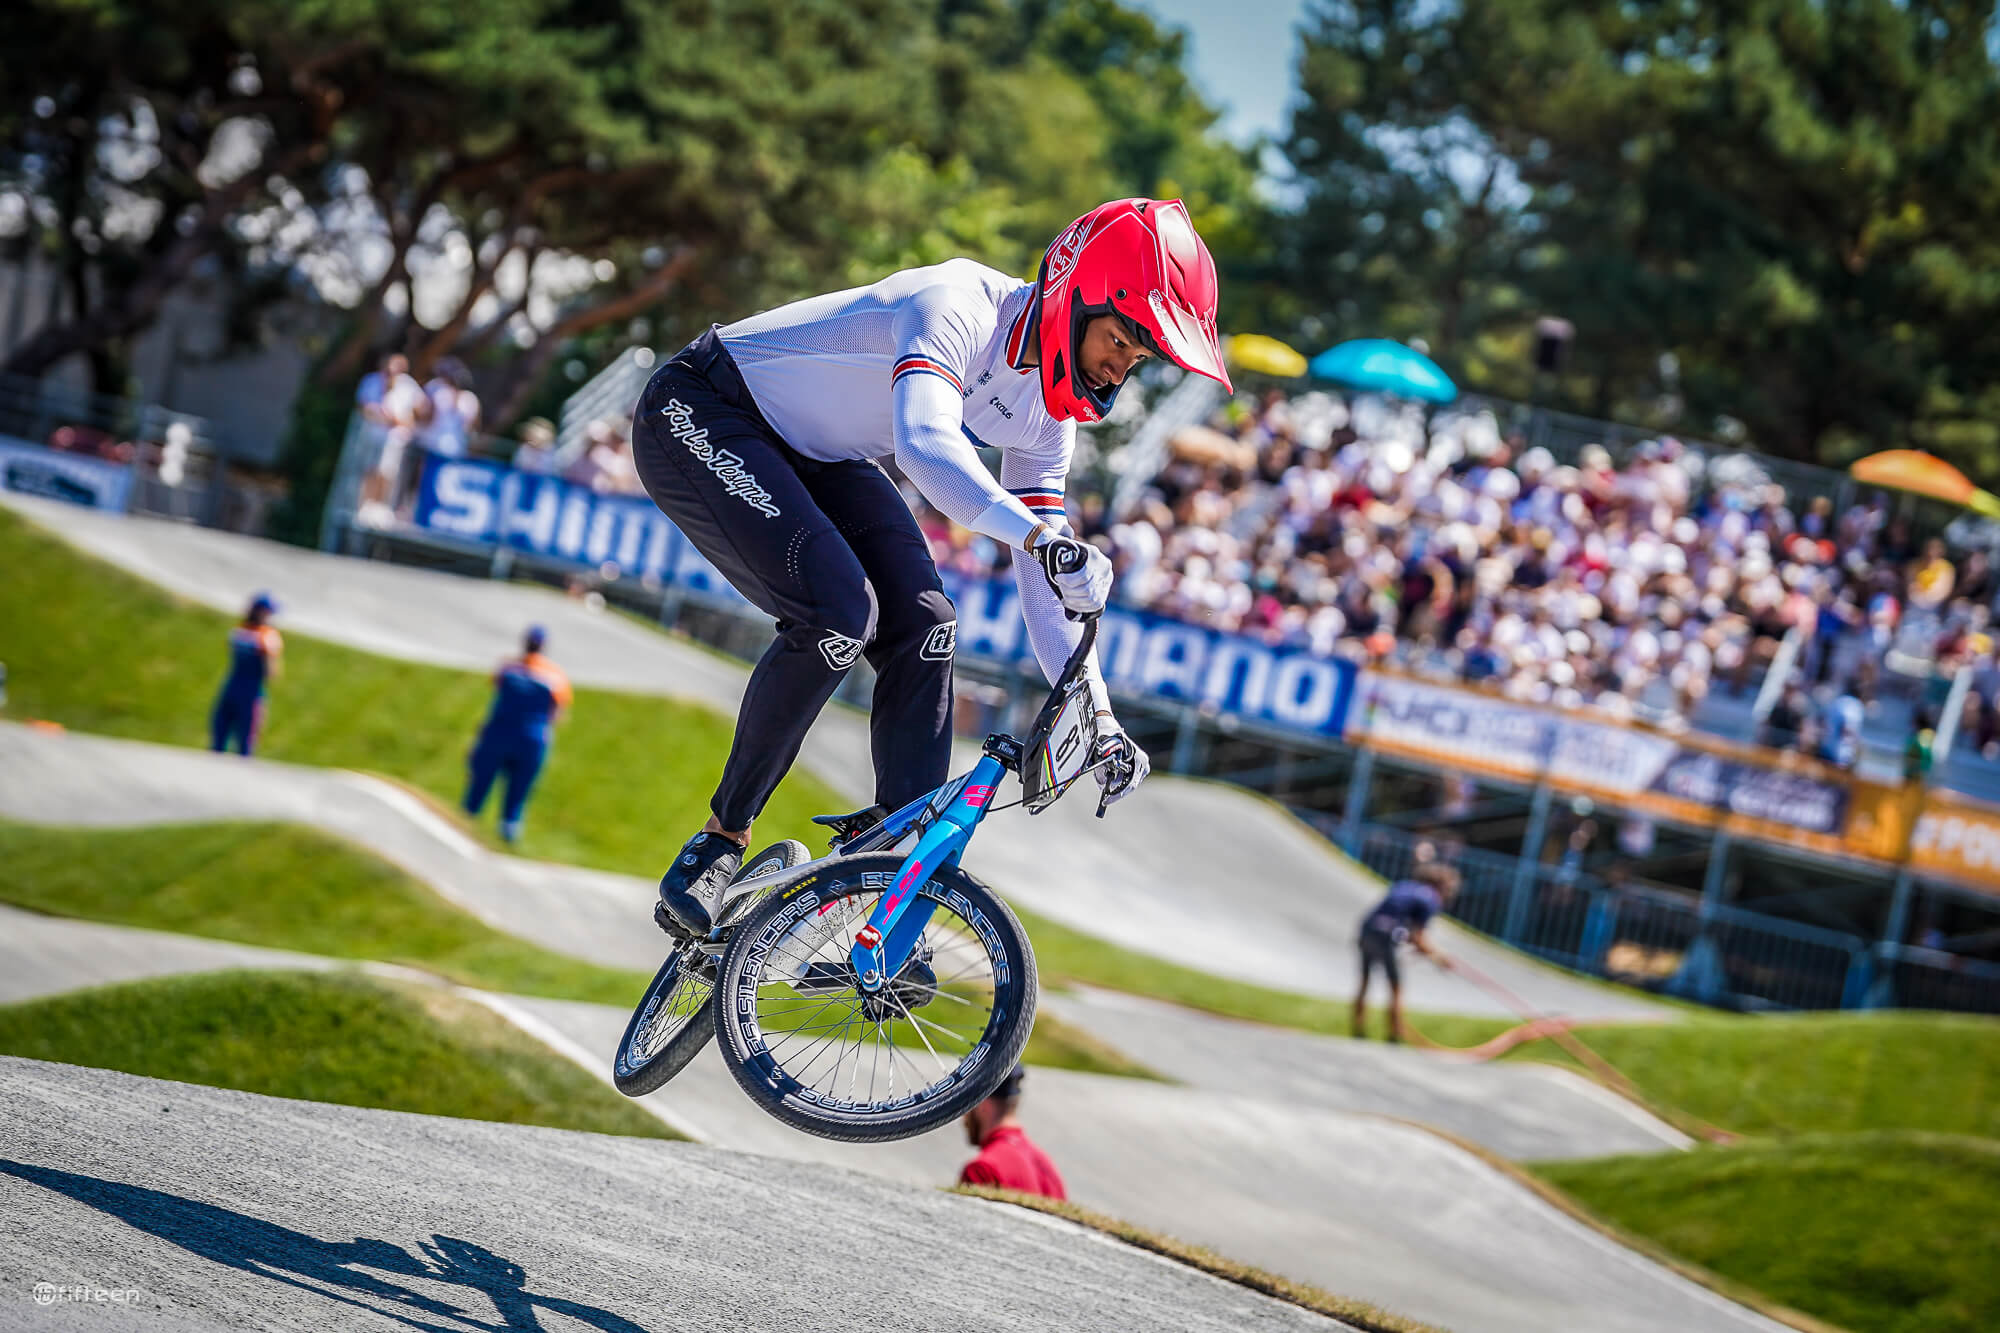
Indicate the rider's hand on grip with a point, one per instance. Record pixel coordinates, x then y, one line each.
1120 765
1079 572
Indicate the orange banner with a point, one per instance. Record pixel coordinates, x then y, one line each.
1959 840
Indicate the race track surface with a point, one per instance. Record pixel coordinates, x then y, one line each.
1198 872
1276 1151
228 1210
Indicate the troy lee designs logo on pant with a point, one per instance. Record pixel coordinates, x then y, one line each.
727 467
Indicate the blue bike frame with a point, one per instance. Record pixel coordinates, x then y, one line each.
898 921
883 945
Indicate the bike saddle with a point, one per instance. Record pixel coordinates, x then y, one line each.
847 827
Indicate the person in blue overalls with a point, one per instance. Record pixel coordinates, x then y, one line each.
254 650
529 693
1397 920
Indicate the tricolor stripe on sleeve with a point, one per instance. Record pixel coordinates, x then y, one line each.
1041 500
912 365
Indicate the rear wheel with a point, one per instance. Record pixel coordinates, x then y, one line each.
675 1017
809 1047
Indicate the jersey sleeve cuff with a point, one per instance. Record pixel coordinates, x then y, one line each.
1006 521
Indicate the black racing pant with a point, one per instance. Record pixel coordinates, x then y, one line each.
830 551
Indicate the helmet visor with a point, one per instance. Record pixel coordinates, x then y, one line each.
1183 339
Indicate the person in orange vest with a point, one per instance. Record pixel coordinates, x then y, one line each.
1008 1159
254 652
530 693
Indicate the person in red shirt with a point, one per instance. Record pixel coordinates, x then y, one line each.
1008 1159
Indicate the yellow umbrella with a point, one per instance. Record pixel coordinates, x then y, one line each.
1264 356
1925 474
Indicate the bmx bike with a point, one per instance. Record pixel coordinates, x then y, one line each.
879 991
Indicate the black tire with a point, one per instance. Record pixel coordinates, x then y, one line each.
998 1048
681 997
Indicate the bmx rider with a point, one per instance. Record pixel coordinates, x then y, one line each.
760 440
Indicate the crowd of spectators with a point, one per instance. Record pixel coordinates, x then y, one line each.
1634 588
408 422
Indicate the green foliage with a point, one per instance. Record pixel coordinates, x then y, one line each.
319 422
627 778
1798 202
283 887
338 1038
721 158
1880 1233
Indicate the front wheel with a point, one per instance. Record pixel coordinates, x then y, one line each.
810 1048
674 1018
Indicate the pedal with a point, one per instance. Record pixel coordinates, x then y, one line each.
850 826
675 931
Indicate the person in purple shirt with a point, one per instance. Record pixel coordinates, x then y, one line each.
1400 919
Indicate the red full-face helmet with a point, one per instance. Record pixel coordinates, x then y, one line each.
1139 259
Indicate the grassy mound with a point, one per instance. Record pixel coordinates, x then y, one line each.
99 650
1814 1073
326 1038
1886 1232
286 887
283 887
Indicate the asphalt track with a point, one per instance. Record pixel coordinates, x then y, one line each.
1266 1171
215 1209
1518 1111
1354 1203
1197 872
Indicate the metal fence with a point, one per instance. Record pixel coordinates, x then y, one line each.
1661 941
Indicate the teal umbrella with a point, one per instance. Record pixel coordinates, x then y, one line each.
1378 365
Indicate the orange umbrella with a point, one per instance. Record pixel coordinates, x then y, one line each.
1920 473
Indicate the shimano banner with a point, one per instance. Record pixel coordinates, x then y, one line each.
485 502
1148 654
77 478
545 516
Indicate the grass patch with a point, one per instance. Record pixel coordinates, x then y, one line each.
1884 1232
1784 1074
326 1038
1359 1314
1064 956
100 650
283 887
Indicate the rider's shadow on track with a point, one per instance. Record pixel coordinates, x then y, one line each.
332 1269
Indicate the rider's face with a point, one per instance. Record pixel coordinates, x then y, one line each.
1108 353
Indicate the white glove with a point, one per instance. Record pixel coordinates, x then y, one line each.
1127 764
1078 571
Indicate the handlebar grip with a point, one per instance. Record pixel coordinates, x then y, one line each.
1067 558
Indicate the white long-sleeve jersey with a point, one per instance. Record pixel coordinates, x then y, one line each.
926 365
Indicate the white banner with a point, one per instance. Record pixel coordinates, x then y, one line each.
1516 739
51 473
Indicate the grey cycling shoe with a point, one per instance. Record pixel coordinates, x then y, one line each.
692 888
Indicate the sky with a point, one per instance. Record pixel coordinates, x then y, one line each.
1243 57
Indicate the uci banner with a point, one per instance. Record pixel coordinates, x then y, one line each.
1483 733
477 501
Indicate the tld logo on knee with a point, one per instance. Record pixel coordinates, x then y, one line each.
941 642
839 650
